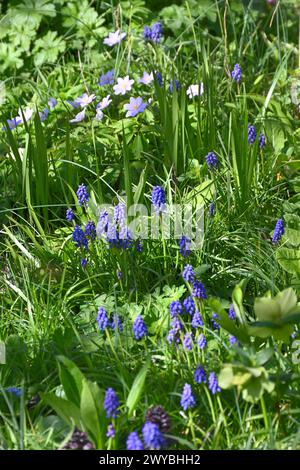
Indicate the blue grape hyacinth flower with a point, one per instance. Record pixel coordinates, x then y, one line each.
153 33
278 231
251 134
261 140
200 375
175 308
187 398
82 195
187 342
14 391
102 319
111 403
213 384
211 160
153 437
236 73
134 442
189 305
184 246
158 198
79 237
199 290
188 273
140 329
202 342
90 230
70 215
197 320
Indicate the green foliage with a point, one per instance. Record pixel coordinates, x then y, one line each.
276 315
47 48
49 298
253 382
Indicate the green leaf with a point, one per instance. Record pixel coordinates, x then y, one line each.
289 259
292 237
140 187
137 389
267 310
252 381
92 413
237 299
127 172
71 378
69 412
263 356
48 47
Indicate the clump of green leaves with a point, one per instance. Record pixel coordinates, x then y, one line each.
276 316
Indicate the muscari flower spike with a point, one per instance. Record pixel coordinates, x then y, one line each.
82 195
111 432
211 160
251 134
188 273
211 209
102 319
90 230
175 308
197 320
103 221
213 384
140 329
202 342
199 290
261 141
153 437
70 215
111 403
200 375
14 391
236 73
184 246
187 342
153 33
189 305
278 231
139 246
134 442
159 79
79 441
177 85
233 340
116 323
158 198
79 237
187 398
